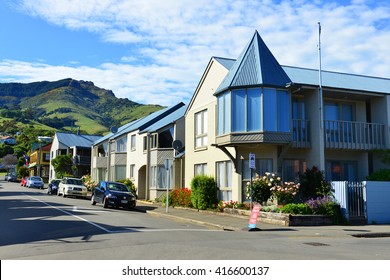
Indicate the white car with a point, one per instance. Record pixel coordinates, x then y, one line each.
72 187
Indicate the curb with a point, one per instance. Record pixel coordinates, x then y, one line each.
225 228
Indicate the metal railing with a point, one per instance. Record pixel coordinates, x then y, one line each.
354 135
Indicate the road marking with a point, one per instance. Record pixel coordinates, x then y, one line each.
70 214
75 209
116 231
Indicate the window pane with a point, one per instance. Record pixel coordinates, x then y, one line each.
331 112
229 174
283 111
239 111
254 109
228 112
221 115
269 109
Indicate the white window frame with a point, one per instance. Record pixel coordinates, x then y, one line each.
200 128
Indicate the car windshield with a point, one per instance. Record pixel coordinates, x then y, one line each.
35 178
117 187
74 182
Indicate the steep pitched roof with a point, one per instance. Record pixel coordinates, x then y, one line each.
256 65
174 116
79 140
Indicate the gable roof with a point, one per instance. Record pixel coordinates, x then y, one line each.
256 65
79 140
171 118
142 124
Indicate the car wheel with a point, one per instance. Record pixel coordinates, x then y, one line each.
93 202
105 203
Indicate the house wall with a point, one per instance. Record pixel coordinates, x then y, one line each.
139 158
202 100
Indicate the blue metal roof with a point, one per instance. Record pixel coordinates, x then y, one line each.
338 80
141 124
225 62
256 65
171 118
79 140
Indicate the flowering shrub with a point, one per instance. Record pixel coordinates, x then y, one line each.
88 182
180 197
232 204
322 205
285 193
270 208
261 187
271 185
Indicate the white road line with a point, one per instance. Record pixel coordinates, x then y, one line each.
115 231
70 214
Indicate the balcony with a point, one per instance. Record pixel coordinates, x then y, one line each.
82 160
354 135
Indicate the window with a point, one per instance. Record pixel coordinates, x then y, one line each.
339 170
254 109
338 118
145 143
201 129
153 141
224 180
292 169
121 144
158 177
224 113
165 138
120 172
132 170
133 142
200 169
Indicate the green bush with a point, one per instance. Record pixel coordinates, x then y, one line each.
203 192
380 175
313 184
298 209
130 186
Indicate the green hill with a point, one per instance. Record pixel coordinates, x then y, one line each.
67 105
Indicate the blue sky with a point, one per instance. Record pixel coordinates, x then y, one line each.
154 52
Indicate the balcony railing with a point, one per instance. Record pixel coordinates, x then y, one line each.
301 133
354 135
341 135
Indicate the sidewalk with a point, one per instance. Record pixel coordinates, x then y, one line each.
228 222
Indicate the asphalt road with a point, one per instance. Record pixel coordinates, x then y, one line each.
38 226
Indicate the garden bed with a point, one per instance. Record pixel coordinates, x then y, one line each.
285 219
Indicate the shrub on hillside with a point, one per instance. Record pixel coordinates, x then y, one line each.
203 192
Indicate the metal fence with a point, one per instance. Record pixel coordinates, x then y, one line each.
352 199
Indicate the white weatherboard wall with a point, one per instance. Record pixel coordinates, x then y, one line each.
378 202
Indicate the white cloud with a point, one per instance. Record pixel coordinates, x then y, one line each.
173 40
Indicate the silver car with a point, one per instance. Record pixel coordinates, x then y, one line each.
72 187
34 182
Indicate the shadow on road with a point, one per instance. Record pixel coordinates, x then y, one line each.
25 220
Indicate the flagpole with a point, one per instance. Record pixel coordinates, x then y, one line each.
320 77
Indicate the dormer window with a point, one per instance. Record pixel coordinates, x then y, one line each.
254 110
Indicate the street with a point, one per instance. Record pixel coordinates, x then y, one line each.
38 226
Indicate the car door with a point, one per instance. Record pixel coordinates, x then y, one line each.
99 192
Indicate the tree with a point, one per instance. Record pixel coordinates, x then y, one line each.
62 165
9 161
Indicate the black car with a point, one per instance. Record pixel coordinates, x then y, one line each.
53 186
113 194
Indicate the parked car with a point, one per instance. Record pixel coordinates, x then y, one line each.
11 177
23 183
72 187
53 186
113 194
34 182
